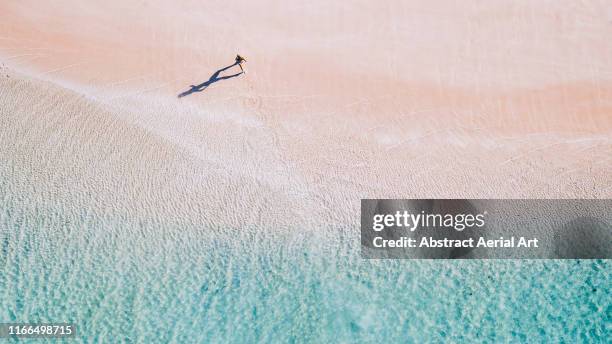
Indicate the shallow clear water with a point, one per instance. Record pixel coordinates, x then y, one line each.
133 281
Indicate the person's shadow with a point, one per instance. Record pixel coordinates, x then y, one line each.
213 78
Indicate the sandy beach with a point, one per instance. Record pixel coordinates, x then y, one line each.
470 100
339 102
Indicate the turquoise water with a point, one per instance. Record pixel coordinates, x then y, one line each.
128 281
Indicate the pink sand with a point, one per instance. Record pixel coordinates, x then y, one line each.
339 102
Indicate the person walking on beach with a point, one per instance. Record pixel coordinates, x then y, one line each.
239 61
